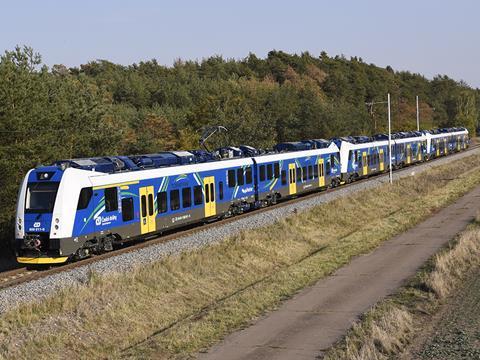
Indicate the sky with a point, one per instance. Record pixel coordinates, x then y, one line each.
424 36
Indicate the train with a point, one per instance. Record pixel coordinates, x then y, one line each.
75 208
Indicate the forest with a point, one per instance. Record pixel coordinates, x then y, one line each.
102 108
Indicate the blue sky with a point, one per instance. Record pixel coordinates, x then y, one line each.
425 36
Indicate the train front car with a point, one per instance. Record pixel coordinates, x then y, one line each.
46 208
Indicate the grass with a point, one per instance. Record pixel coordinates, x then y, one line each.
184 303
392 324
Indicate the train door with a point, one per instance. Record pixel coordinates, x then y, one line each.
209 191
292 179
409 153
437 144
364 163
445 151
147 210
382 158
321 172
458 143
419 151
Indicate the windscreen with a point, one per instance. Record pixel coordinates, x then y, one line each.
41 197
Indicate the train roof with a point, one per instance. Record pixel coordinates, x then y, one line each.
265 158
116 164
121 177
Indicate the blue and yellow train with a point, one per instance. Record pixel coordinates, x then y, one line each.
78 207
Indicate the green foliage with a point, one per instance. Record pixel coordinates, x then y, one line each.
103 108
466 112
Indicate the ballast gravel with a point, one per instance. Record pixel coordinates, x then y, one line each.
37 289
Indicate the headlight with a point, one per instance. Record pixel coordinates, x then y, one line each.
19 220
19 227
56 227
57 220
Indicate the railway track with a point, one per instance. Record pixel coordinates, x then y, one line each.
20 275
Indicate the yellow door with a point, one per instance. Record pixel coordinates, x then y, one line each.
458 143
382 166
364 163
147 210
321 173
419 151
409 153
446 146
209 192
438 147
292 179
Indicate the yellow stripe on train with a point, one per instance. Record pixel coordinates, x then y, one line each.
41 260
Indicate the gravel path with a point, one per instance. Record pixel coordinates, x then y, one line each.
37 289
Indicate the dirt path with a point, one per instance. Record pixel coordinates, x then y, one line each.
318 316
453 333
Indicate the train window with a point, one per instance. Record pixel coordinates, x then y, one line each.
127 209
328 167
197 195
269 172
299 174
111 199
84 198
350 155
315 171
186 197
304 173
231 178
262 172
144 206
248 175
284 177
357 158
310 172
332 160
41 197
150 204
220 190
276 170
240 178
212 192
174 199
162 202
207 193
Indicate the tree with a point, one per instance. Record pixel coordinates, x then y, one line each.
466 111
